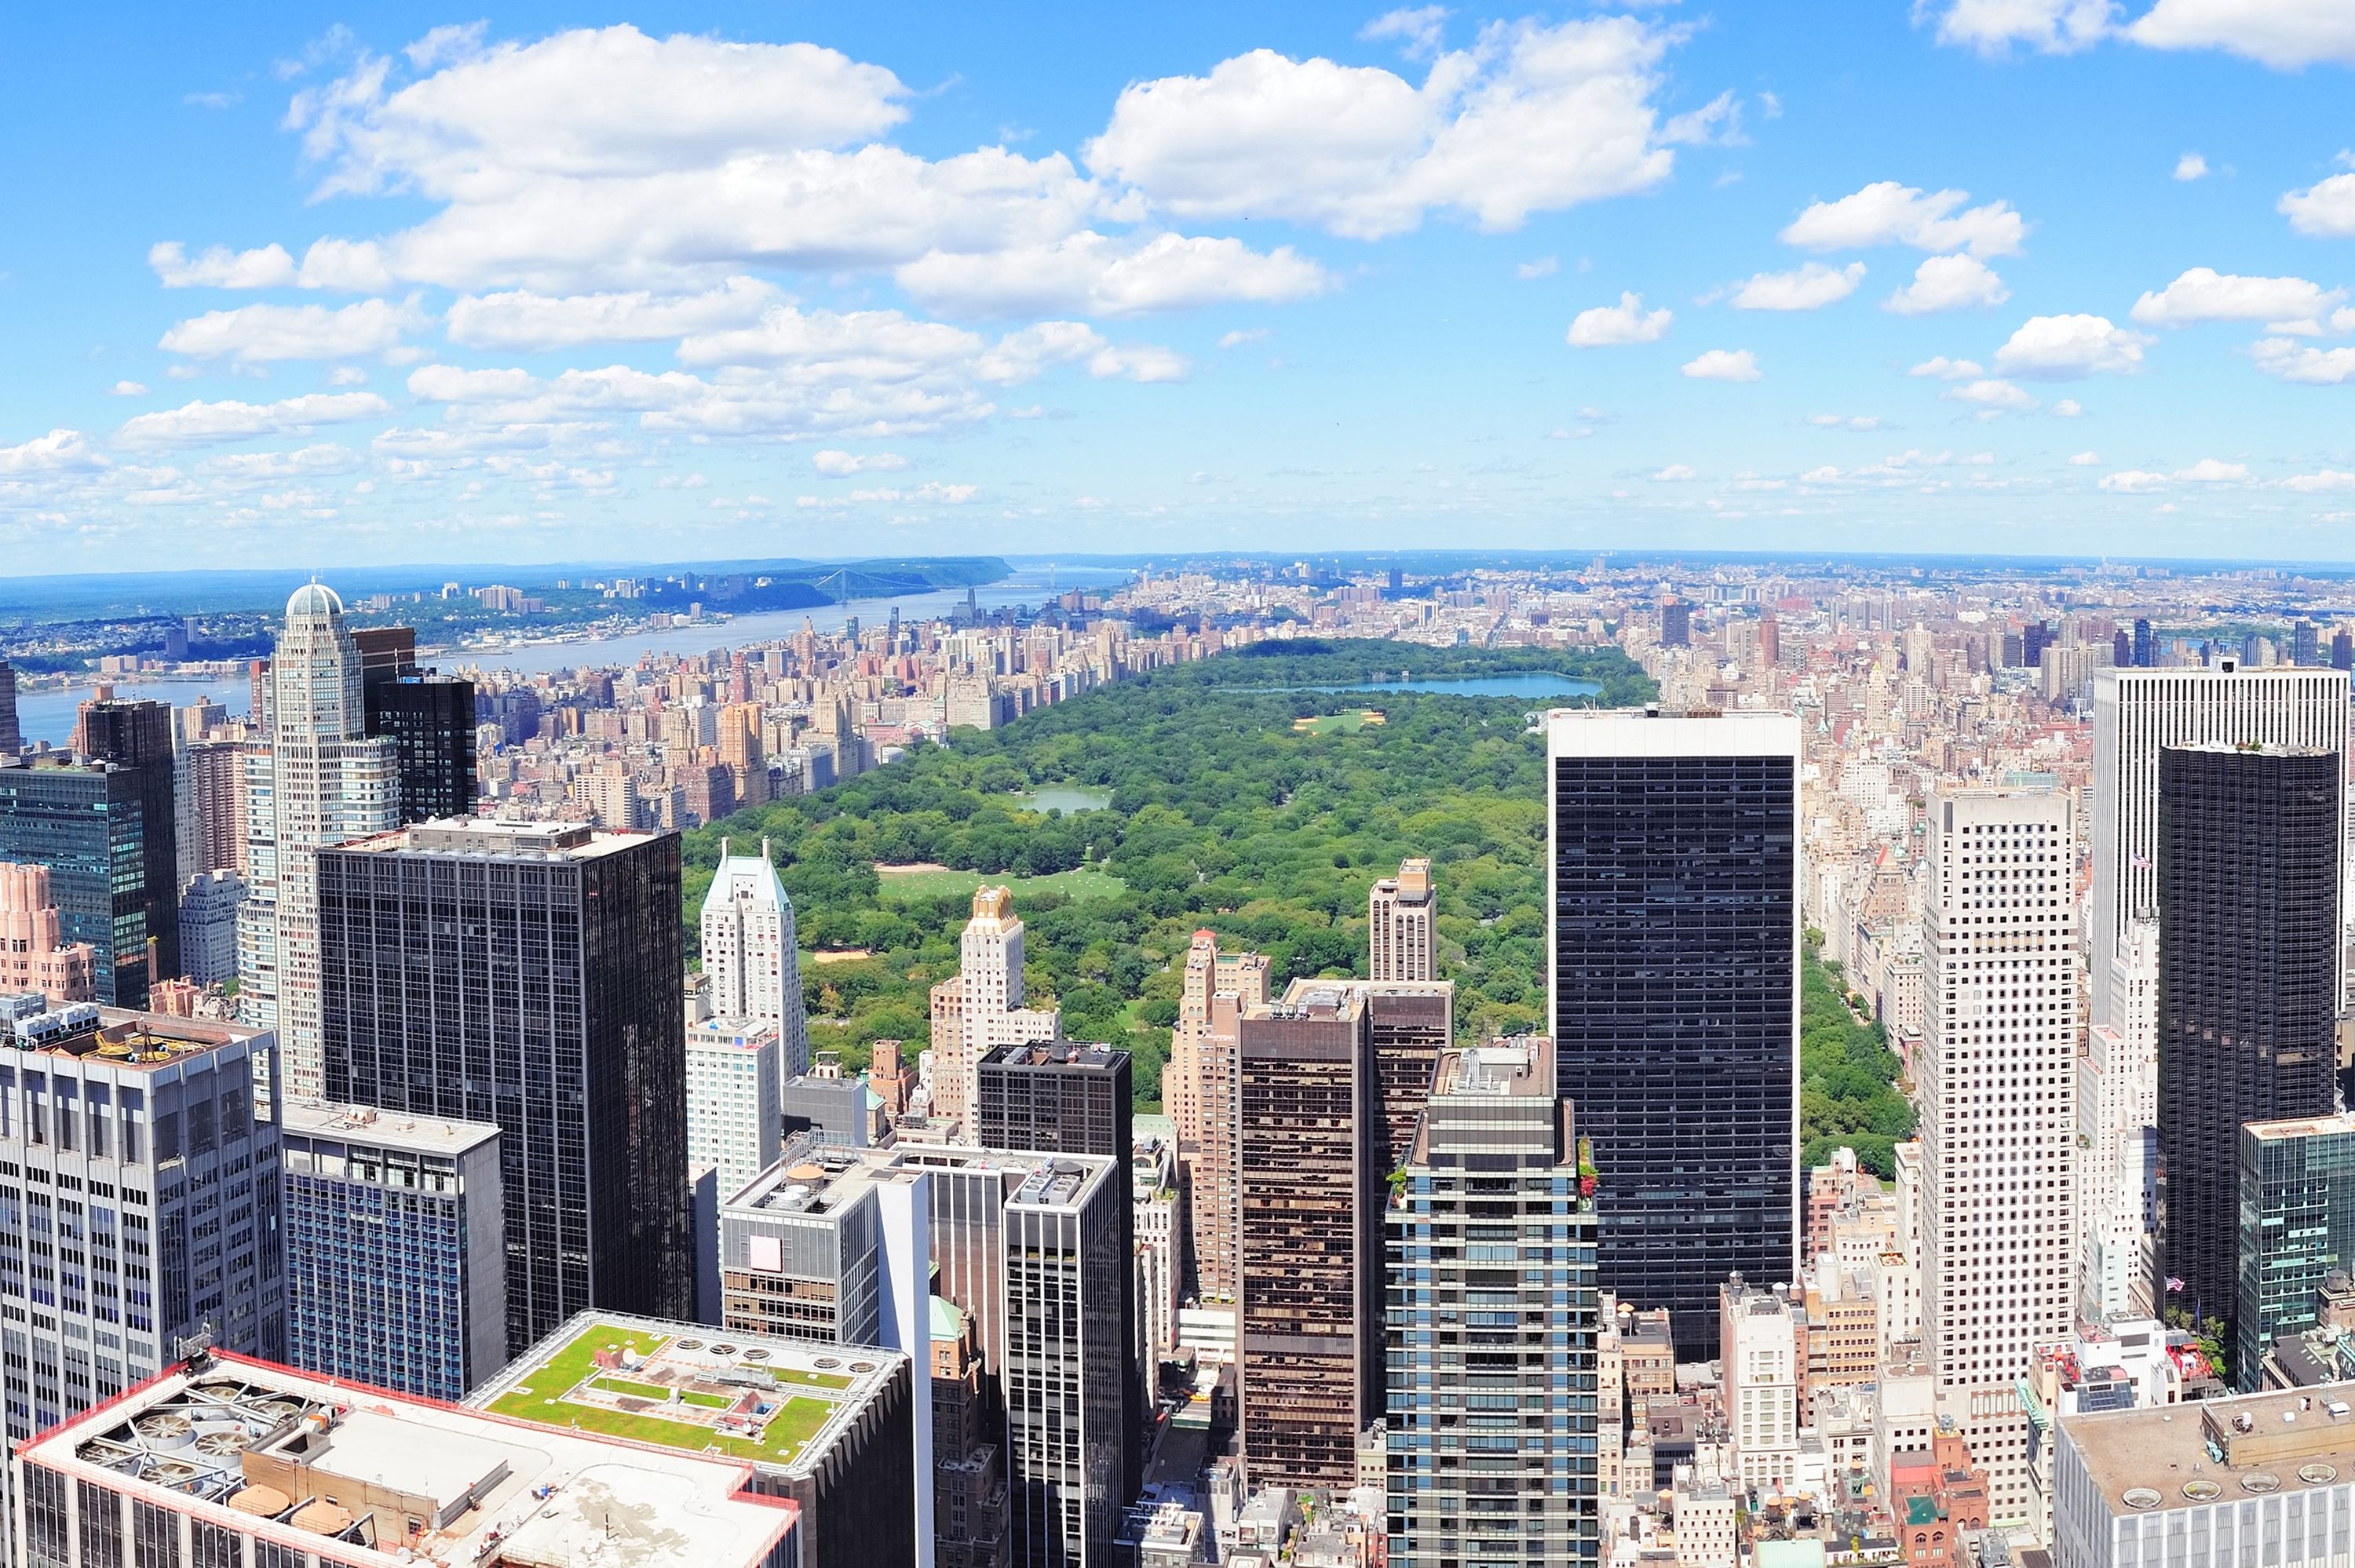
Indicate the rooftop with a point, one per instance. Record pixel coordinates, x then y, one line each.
2299 1126
2167 1456
1501 1067
1058 1054
116 1036
349 1473
489 836
384 1130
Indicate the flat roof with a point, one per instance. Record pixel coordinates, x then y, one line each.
384 1130
2143 1460
489 836
120 1037
2299 1126
272 1447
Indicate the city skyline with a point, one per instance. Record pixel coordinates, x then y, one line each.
1337 276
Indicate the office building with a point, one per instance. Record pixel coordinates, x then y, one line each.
1312 1159
1763 1338
225 1461
2249 843
839 1109
35 955
1492 1428
430 719
2143 647
2265 1478
968 1446
751 955
1199 1086
136 737
396 1252
1401 930
216 772
2298 1229
528 976
829 1433
1157 1219
1410 1022
208 913
320 780
1676 624
11 738
734 1106
1999 1114
980 1007
1674 939
86 823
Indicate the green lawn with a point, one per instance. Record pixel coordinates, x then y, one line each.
812 1378
623 1386
1329 724
541 1398
1085 883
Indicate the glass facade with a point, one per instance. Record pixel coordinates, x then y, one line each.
2298 1228
86 823
431 719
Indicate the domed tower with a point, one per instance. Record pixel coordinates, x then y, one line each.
316 670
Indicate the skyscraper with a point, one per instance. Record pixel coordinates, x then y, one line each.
216 772
1409 1024
1490 1210
1402 935
319 780
1311 1159
2145 649
430 719
2249 841
1999 1114
751 954
137 737
1673 886
734 1099
528 976
2298 1228
980 1006
12 739
396 1263
85 823
1676 624
35 956
1219 989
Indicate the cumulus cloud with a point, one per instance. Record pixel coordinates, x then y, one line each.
1944 370
2327 479
841 464
1994 27
60 452
521 321
2294 361
1543 266
1096 275
1676 473
2134 482
2068 408
127 389
1724 364
1606 326
1242 335
2204 294
2284 34
1812 287
1948 283
221 268
2066 348
1419 28
2213 470
1887 212
2085 460
323 459
260 334
2325 209
1994 394
1535 119
195 424
2192 166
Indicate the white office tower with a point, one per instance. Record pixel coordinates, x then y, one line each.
980 1008
735 1113
2117 1114
1998 1117
318 781
2138 713
751 955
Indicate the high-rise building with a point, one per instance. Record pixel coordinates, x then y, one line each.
138 1202
85 823
215 771
11 738
735 1114
2249 840
980 1006
1762 1354
320 780
430 719
225 1460
751 954
2303 646
1492 1424
1199 1086
2145 649
1409 1021
2342 650
528 976
396 1254
137 737
35 956
1676 624
1312 1159
1403 936
2298 1228
968 1446
208 911
1998 1115
1673 886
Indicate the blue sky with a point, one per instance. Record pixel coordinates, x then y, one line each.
717 280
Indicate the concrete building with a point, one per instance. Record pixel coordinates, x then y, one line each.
208 915
225 1460
1054 1097
1998 1120
1674 945
753 956
527 976
396 1249
216 773
980 1007
1157 1208
34 953
320 780
968 1475
1760 1335
1311 1161
1491 1424
1409 1024
734 1097
11 738
2297 1229
1402 931
832 1434
1201 1086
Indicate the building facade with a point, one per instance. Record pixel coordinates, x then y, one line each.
1673 886
734 1099
430 719
34 953
136 737
1200 1086
753 956
2298 1229
1401 930
980 1007
208 913
85 822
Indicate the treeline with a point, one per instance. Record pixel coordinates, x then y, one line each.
1847 1074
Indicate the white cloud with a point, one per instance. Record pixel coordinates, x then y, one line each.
2295 361
2325 209
2068 408
1992 27
521 321
2001 396
2134 482
1886 213
272 468
1139 362
2192 166
347 375
2284 34
1535 119
193 424
2327 479
1096 275
1676 473
451 384
1607 326
260 334
1851 422
221 268
2210 470
127 389
1812 287
1948 283
1418 28
1944 369
1242 335
2204 294
1543 266
2065 348
60 452
1724 364
2085 460
840 464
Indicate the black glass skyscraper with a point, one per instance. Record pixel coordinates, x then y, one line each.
1674 952
528 975
137 737
12 739
2146 651
431 718
86 821
2248 983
